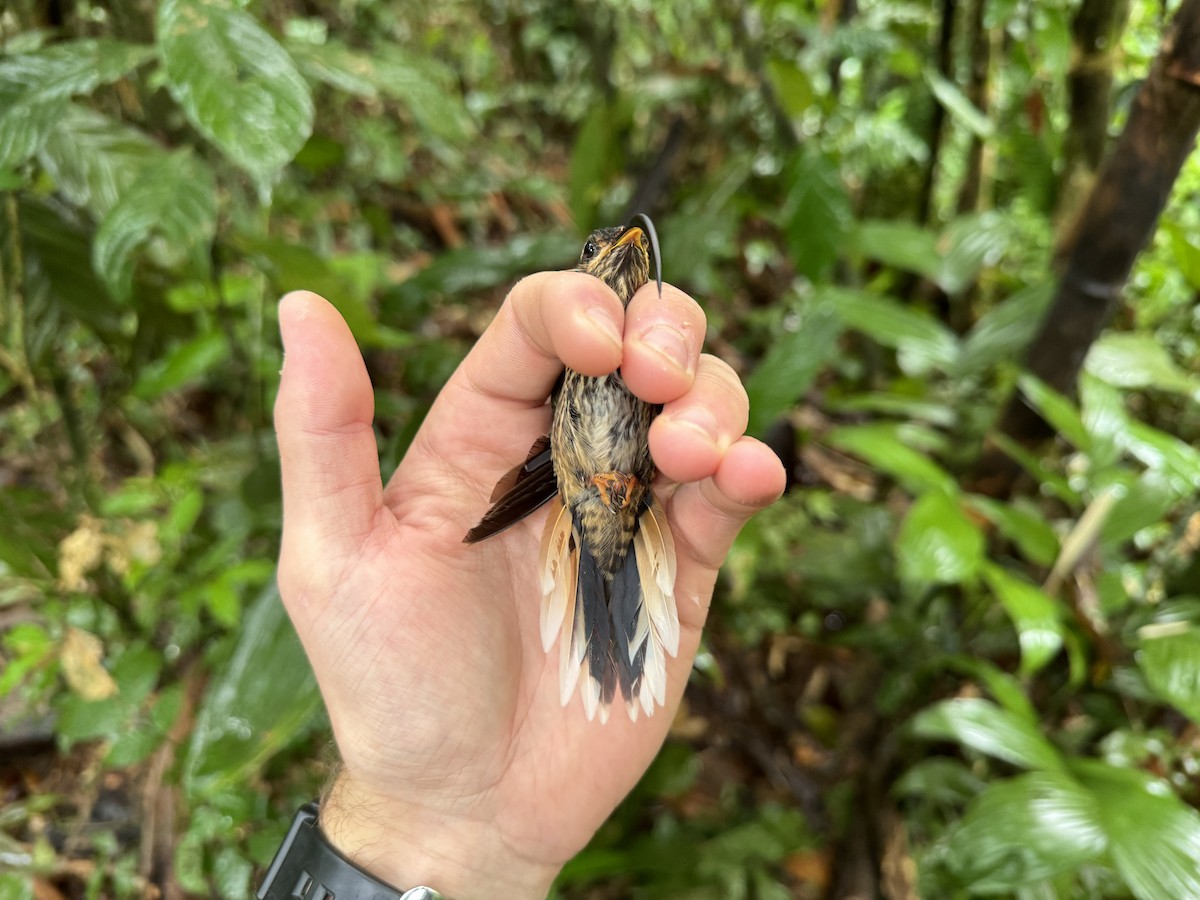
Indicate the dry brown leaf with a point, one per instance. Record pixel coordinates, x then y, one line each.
81 656
79 553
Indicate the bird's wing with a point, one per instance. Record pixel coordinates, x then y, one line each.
522 490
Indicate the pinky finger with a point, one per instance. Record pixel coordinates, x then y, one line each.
707 515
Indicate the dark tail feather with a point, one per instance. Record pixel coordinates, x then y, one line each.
520 492
625 607
592 591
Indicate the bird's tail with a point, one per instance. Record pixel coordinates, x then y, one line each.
615 631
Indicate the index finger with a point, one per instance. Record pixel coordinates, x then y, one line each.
547 320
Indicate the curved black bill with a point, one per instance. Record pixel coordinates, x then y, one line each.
643 221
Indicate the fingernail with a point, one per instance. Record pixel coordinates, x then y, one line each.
603 322
700 420
669 344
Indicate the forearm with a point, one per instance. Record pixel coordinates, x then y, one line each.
406 846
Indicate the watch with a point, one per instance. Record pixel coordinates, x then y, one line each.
308 867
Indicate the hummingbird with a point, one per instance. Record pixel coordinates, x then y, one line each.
607 560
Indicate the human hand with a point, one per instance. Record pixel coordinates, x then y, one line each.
461 770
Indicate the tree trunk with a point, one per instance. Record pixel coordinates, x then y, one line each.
1095 33
977 93
945 60
1119 217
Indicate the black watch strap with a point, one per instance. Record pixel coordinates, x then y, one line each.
308 867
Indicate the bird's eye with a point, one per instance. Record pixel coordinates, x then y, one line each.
589 251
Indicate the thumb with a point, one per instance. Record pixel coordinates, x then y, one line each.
332 490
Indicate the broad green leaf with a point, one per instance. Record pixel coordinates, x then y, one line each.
792 84
60 282
1003 331
595 155
937 544
971 243
939 779
184 365
1057 410
956 102
884 448
1164 453
922 343
902 245
1131 360
1153 837
1024 830
1027 529
24 126
987 728
173 199
35 87
815 213
1186 251
1035 615
793 361
1102 410
1144 503
426 88
1170 659
93 159
74 67
1003 686
245 717
235 83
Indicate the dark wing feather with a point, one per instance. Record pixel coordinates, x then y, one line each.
521 491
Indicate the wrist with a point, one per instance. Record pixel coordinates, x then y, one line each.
405 845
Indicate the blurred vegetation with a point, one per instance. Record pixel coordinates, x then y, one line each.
916 683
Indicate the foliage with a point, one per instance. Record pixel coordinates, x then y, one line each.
997 692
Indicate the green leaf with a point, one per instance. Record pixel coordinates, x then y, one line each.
94 159
1027 529
815 213
792 85
1153 837
1170 659
1056 409
424 86
956 102
939 779
1024 830
58 271
35 87
987 728
1004 331
1186 252
922 343
901 245
173 199
1164 453
1138 361
185 364
800 352
937 544
1035 615
971 242
1003 686
236 84
595 155
244 717
885 448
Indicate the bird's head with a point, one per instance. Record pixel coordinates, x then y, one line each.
620 256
